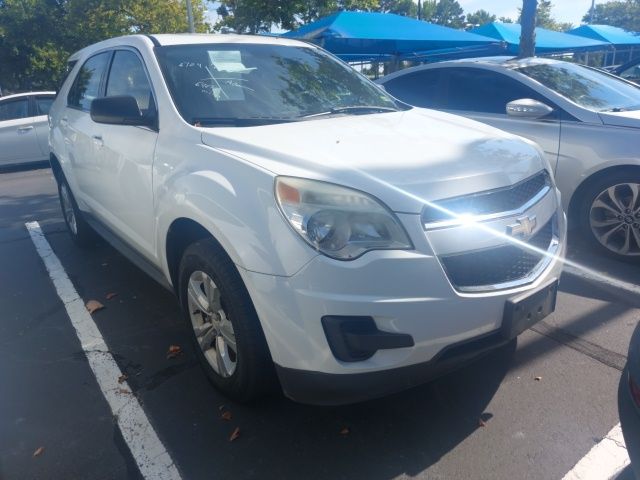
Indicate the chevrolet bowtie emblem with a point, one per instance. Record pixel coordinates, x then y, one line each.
524 226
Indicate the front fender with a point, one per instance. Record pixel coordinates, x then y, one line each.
234 201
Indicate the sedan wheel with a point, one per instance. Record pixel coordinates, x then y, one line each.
213 330
614 219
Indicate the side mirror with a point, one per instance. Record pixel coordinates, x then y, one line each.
528 108
119 110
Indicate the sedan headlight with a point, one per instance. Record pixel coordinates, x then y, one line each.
339 222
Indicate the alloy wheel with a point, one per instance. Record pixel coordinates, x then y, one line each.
614 218
213 329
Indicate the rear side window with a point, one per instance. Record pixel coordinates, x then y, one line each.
86 86
14 109
417 88
476 90
43 104
128 77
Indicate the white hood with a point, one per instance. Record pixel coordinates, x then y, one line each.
401 158
621 119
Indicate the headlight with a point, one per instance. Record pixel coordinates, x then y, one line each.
339 222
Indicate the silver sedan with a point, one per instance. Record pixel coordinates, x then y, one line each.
587 122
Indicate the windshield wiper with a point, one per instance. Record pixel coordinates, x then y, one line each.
239 122
354 109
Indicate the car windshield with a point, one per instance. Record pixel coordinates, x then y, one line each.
588 88
244 84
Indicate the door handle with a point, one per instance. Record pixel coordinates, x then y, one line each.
97 140
64 121
25 129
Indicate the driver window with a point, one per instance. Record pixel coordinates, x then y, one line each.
127 77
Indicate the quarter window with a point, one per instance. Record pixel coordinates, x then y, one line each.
86 86
128 77
14 109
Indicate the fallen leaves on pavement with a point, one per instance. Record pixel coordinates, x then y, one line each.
482 423
110 295
174 351
345 431
235 434
94 306
226 415
537 379
38 451
122 378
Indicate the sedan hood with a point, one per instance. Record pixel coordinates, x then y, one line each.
621 119
402 158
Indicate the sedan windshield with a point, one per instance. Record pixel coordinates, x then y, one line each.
244 84
588 88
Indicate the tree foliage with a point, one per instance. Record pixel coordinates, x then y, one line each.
545 19
480 17
621 13
37 36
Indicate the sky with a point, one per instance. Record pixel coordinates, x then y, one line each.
570 11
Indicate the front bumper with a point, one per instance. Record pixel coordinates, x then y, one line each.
404 292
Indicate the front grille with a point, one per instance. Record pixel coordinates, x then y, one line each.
489 202
497 265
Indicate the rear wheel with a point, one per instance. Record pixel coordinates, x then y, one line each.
610 215
227 334
80 231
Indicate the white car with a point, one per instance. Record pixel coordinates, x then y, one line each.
311 226
587 122
24 131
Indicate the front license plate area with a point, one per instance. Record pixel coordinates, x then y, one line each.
525 311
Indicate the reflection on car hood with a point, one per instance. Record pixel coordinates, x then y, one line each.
403 158
622 119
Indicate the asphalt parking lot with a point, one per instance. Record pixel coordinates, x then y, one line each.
530 410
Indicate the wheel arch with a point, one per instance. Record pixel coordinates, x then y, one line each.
181 233
578 196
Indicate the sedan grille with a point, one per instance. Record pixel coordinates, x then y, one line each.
498 265
489 202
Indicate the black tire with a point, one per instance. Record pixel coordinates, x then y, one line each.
585 216
254 373
81 233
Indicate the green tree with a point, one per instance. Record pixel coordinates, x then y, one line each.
622 13
448 13
400 7
545 19
37 36
480 17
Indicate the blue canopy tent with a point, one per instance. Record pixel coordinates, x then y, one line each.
624 43
363 36
547 41
606 33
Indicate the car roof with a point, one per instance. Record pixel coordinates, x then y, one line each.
26 94
491 62
170 39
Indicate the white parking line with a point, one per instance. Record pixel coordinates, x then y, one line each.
151 456
604 461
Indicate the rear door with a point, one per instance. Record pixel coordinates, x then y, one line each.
17 133
79 131
124 158
483 95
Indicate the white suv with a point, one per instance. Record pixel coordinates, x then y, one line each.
313 228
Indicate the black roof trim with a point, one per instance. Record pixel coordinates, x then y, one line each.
154 40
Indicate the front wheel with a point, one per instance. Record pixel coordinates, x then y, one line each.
227 334
610 215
